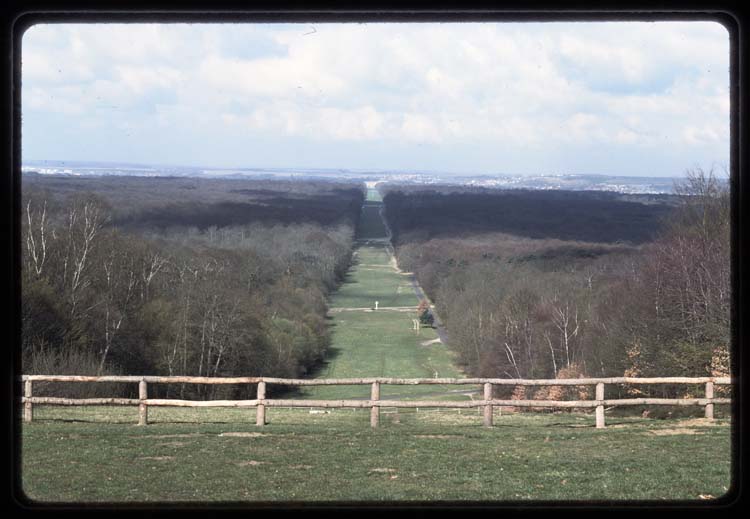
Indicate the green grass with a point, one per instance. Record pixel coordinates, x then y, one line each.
424 456
370 224
381 343
365 285
373 195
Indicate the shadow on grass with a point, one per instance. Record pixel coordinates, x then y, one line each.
70 420
348 277
324 364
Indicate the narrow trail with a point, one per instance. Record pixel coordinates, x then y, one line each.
382 342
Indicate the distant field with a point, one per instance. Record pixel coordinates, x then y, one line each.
373 280
367 343
370 225
187 456
373 195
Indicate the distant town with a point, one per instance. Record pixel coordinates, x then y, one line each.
571 182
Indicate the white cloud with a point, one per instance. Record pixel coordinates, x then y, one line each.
534 87
419 128
701 135
141 79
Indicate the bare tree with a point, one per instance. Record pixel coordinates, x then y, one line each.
85 219
565 319
119 290
36 237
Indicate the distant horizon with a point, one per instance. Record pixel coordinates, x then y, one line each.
456 174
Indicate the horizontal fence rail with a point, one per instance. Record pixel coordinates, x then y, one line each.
375 403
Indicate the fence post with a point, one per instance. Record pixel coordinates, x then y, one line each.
142 407
600 408
709 394
488 408
28 410
375 410
260 413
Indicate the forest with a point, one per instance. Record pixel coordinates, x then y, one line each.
180 276
225 277
562 284
591 216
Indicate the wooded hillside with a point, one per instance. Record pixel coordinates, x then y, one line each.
180 276
560 285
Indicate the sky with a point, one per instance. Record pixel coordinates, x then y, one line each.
611 98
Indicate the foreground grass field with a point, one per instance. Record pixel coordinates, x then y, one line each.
98 455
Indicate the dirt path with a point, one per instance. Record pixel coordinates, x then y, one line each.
380 308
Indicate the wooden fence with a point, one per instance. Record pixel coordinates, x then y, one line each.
374 403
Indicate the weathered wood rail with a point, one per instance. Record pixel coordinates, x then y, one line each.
375 403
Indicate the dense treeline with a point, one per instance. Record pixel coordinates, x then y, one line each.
592 216
107 289
519 306
147 203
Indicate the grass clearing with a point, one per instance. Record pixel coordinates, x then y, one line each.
370 225
373 195
198 455
365 285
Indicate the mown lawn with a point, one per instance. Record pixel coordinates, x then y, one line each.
370 224
219 455
373 195
366 284
381 343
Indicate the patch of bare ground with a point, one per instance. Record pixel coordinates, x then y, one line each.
673 432
389 472
428 343
250 463
621 425
688 426
165 436
172 444
340 309
451 417
439 436
700 422
156 458
300 467
243 434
